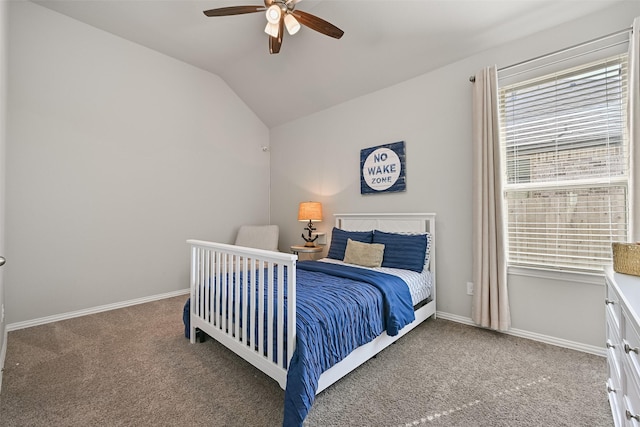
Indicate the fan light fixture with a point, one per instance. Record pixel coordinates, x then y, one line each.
271 29
293 26
273 19
280 14
273 14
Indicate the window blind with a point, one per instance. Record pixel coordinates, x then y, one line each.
565 157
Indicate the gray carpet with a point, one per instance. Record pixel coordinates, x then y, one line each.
133 367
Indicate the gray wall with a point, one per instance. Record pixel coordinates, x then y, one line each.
317 158
116 155
3 136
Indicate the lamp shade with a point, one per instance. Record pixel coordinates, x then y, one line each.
310 211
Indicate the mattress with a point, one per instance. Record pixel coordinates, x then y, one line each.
420 284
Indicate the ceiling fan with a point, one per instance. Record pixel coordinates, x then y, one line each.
280 14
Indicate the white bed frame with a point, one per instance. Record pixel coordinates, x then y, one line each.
214 263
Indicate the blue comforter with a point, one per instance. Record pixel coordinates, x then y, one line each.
338 309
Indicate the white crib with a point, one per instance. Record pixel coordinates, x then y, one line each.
214 265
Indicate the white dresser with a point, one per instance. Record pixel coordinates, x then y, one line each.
623 346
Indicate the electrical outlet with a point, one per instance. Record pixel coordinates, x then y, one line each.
469 288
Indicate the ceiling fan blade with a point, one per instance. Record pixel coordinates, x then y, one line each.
317 24
268 3
274 45
234 10
276 42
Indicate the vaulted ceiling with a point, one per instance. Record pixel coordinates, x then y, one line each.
385 42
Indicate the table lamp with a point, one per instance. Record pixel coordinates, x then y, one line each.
310 211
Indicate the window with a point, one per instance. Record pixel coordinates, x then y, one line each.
566 166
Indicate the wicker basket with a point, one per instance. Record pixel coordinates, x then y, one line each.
626 258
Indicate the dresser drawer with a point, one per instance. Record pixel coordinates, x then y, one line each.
614 386
614 393
612 302
615 372
614 354
631 404
630 343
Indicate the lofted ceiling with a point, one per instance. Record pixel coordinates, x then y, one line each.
385 42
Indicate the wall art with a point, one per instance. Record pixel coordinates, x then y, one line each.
382 169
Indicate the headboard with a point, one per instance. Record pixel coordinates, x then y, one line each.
393 223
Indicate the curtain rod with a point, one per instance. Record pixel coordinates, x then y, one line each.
547 55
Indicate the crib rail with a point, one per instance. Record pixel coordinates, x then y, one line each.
238 298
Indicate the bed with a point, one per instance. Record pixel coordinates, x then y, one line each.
242 297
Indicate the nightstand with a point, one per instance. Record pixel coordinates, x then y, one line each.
310 250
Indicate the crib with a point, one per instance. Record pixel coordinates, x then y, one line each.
242 297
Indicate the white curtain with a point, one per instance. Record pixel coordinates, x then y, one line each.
490 297
634 125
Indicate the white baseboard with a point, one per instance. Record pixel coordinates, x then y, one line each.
586 348
93 310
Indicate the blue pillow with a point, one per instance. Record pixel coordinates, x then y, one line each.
339 241
406 251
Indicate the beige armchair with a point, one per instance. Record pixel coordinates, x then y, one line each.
258 237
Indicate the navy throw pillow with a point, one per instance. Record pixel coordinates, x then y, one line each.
339 241
406 251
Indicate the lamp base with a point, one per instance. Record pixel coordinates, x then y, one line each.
309 241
